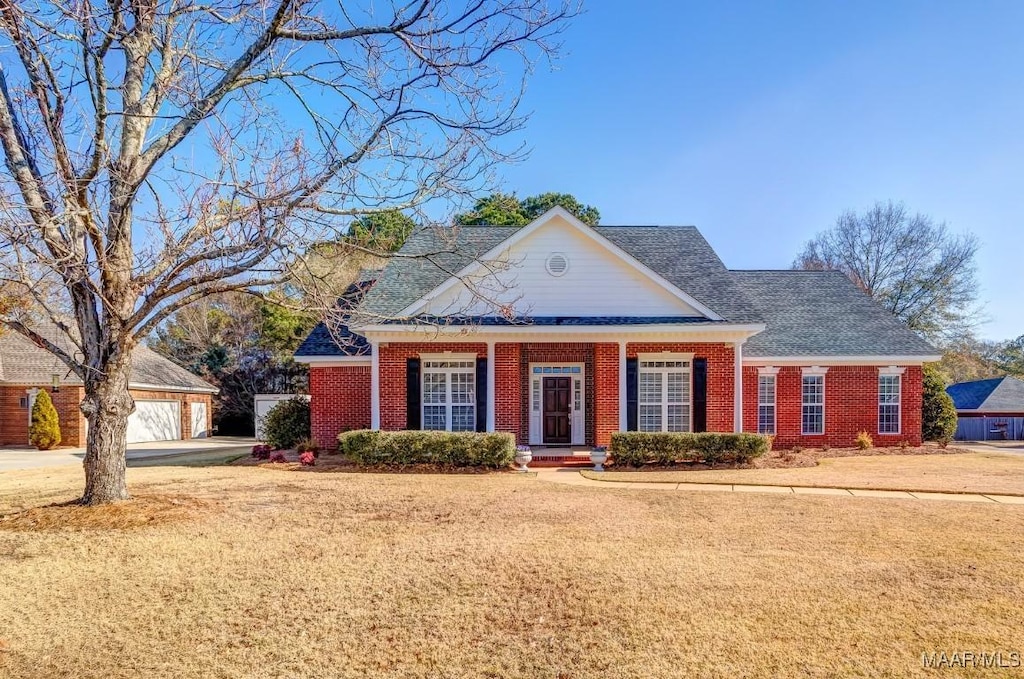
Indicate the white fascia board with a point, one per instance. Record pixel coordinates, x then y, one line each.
332 361
481 331
142 386
838 360
587 231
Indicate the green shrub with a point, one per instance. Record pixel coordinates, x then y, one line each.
449 449
44 431
938 413
634 448
287 423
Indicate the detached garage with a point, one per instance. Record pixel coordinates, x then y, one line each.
170 402
989 410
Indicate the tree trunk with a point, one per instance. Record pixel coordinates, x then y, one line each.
107 405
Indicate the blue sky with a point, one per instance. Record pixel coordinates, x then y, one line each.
760 122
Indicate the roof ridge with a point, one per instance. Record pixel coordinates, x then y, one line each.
793 271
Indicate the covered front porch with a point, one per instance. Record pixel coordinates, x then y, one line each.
559 390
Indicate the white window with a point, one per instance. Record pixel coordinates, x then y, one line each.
766 404
813 413
449 395
664 396
889 404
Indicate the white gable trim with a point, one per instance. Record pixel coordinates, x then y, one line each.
524 232
839 360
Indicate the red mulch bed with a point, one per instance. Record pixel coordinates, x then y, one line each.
336 463
801 457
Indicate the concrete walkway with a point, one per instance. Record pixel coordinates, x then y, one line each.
573 477
30 458
990 446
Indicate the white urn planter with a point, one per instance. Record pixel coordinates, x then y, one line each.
524 456
598 456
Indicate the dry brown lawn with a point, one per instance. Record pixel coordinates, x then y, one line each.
998 473
278 573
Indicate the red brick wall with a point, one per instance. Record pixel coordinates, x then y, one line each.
851 406
14 418
392 374
507 391
340 401
606 396
721 376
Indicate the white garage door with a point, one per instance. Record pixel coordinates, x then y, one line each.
199 430
154 421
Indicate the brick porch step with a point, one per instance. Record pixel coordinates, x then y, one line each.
560 462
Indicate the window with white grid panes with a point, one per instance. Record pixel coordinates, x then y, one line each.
889 404
812 420
766 404
663 401
449 395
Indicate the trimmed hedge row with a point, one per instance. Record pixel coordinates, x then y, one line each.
454 449
636 448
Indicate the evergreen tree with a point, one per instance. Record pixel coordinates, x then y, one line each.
938 414
44 432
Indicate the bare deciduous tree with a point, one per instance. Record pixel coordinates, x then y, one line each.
162 151
917 269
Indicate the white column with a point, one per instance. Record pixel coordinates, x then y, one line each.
374 386
623 401
490 386
738 396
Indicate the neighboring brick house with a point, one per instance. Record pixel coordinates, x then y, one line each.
563 334
170 402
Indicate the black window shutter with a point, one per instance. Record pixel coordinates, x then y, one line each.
632 392
481 394
700 394
412 393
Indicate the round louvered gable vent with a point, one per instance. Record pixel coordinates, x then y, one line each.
557 264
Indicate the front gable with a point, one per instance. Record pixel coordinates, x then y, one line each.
558 266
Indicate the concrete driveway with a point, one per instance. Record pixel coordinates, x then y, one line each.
30 458
991 446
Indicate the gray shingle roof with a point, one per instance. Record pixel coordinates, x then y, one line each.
338 340
22 362
428 258
806 313
677 253
1000 394
822 313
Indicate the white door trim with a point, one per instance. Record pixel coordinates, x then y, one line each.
535 389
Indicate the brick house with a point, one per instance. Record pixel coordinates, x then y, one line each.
561 334
170 402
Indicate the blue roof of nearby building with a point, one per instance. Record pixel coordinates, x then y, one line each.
999 394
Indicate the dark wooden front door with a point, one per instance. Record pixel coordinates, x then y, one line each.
557 414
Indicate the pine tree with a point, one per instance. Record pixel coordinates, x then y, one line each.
44 433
